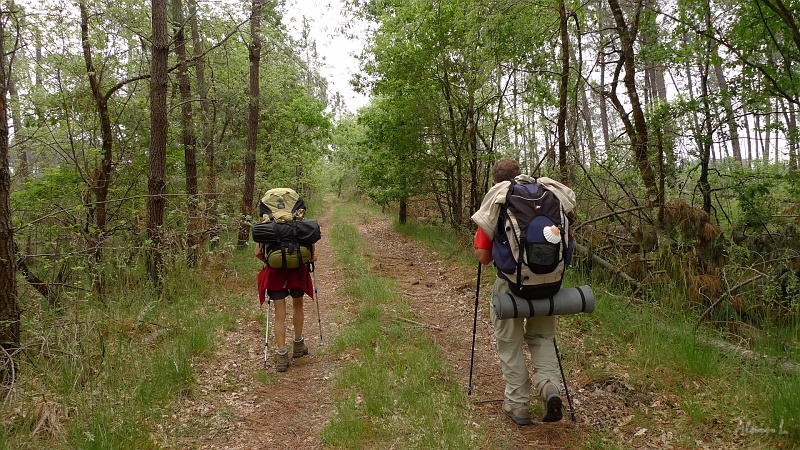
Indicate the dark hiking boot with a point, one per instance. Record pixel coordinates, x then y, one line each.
300 348
518 412
551 399
282 359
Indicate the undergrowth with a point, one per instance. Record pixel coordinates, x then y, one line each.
99 374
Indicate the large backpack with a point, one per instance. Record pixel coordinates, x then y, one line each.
287 236
532 243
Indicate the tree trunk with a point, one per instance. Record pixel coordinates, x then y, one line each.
403 213
705 136
100 179
767 131
749 140
639 140
704 139
187 135
252 126
602 68
792 137
9 308
561 120
21 167
208 127
158 142
733 128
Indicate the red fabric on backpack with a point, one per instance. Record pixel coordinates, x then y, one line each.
280 279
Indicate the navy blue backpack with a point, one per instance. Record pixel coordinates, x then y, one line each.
532 243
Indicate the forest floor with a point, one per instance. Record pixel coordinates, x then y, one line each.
239 404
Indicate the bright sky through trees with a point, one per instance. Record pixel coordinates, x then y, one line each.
326 20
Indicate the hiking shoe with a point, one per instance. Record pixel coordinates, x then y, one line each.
551 399
518 412
300 348
282 360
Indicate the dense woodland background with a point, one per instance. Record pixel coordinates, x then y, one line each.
136 137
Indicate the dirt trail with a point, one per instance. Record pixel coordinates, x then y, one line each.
234 408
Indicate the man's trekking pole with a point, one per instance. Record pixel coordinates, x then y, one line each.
316 298
266 334
474 327
566 389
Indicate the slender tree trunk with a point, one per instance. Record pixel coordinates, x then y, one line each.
584 112
758 136
21 168
705 138
733 128
188 135
602 67
252 126
777 143
403 211
793 135
768 137
208 127
561 120
9 308
156 182
705 141
668 131
749 140
100 179
639 140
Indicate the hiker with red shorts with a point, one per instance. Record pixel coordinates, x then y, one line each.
279 284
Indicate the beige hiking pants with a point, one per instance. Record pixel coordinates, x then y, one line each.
511 334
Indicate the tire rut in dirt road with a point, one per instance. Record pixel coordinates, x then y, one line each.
442 295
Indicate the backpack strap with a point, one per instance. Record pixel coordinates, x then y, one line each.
521 247
299 253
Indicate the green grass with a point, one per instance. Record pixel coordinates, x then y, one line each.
441 240
396 391
100 372
663 352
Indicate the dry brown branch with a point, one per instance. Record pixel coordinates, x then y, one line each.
728 293
423 325
607 265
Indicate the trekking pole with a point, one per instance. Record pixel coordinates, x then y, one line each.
316 298
474 327
266 334
566 389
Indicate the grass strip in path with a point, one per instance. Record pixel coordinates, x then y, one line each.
394 389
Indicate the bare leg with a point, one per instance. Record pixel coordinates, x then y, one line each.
297 317
280 323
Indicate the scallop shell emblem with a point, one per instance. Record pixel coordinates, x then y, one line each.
552 234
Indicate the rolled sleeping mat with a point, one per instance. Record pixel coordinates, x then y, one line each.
572 300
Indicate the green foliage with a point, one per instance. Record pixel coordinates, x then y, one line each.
392 160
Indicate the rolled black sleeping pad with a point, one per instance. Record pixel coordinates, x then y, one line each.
308 232
572 300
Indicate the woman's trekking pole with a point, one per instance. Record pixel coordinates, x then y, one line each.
566 389
266 334
316 298
474 327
